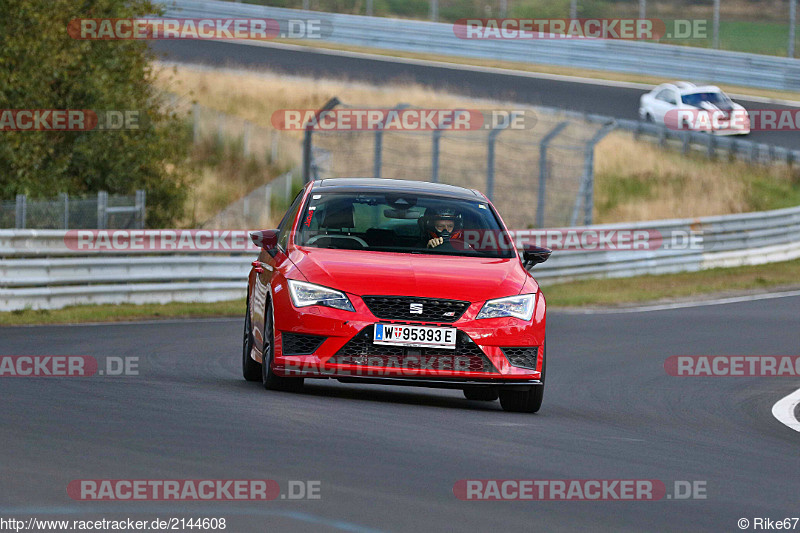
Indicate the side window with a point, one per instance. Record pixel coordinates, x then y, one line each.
663 95
672 98
285 227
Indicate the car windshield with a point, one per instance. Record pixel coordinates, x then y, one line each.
403 222
696 99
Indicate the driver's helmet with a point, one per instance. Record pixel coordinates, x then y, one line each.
436 219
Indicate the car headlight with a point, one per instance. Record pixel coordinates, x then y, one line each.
305 294
517 306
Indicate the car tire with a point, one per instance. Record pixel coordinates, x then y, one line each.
529 401
268 377
251 370
481 394
648 117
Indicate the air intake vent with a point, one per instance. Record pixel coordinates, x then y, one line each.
523 357
300 344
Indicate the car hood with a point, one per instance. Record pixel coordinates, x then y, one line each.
433 276
708 106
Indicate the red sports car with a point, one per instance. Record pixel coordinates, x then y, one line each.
396 282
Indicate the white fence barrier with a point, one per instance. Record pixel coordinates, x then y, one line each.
663 60
39 270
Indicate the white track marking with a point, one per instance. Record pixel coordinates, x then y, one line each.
490 70
676 305
784 410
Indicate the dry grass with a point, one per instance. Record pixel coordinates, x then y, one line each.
636 180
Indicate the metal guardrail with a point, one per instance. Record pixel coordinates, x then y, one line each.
698 141
666 61
35 272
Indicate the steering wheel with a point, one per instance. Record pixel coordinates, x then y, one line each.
360 241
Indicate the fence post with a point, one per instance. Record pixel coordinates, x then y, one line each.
712 145
377 154
491 139
585 195
102 209
268 201
437 135
195 123
140 209
221 119
65 200
686 138
377 161
330 104
540 203
21 212
662 136
246 138
274 147
733 148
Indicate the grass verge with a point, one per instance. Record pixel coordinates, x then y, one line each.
598 292
122 312
686 285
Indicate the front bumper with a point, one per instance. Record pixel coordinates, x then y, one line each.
343 352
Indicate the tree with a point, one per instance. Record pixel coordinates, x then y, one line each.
42 67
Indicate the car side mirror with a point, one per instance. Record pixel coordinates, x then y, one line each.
533 255
266 239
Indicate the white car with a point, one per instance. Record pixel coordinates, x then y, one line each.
685 106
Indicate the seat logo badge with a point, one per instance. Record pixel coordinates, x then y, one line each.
415 309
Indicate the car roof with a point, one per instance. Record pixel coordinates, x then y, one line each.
687 87
383 185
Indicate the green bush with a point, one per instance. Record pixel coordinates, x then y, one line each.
42 67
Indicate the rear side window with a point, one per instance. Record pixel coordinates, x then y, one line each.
667 96
285 227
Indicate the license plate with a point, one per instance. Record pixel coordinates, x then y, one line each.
416 336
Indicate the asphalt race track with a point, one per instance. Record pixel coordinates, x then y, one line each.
387 458
619 102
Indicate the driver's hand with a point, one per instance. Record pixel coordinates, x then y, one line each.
433 243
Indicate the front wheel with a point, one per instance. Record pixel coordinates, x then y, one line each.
529 401
251 370
269 379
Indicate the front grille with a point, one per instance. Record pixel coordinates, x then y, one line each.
301 344
400 307
361 351
523 356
